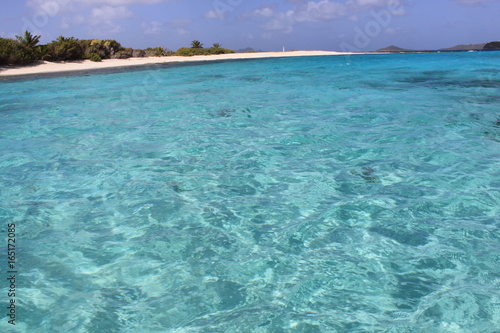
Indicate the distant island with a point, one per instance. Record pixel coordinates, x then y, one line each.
393 48
25 50
466 47
492 46
458 48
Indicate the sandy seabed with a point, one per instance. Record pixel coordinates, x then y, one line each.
49 68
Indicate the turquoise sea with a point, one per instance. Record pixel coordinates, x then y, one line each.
309 194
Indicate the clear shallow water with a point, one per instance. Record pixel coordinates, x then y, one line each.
315 194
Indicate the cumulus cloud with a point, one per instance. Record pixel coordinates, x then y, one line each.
103 19
320 11
101 16
68 21
263 12
323 10
473 2
281 22
152 28
108 13
304 11
181 26
119 2
59 6
214 14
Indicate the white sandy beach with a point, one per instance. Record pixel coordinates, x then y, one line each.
44 67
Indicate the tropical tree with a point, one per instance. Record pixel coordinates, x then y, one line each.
28 40
196 44
64 49
216 46
13 53
62 39
42 52
156 52
104 48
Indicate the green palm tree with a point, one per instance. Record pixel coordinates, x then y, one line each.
196 44
65 39
28 40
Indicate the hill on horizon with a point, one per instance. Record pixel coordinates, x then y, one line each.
465 47
392 48
492 46
461 47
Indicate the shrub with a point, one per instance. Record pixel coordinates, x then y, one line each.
188 52
138 53
64 49
41 52
92 57
157 52
85 45
7 47
106 49
124 53
13 53
219 50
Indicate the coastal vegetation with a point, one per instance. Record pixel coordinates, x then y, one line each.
196 44
197 49
13 53
25 50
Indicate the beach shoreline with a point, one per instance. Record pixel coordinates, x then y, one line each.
44 68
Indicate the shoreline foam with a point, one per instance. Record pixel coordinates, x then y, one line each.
44 68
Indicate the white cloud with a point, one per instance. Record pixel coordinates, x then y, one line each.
181 26
369 3
101 16
68 21
55 7
183 32
118 2
264 12
392 31
51 7
181 22
108 13
304 11
103 19
281 22
473 2
322 11
214 14
153 28
4 34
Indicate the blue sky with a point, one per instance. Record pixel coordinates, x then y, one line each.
336 25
